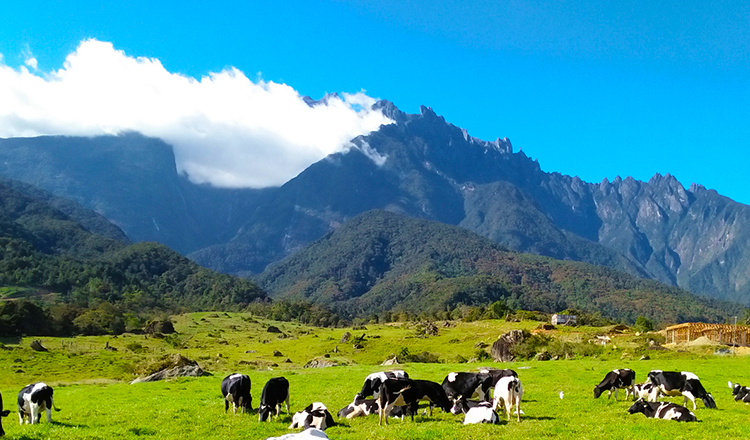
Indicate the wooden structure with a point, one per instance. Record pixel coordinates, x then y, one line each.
563 319
721 333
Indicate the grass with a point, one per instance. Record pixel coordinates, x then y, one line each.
97 402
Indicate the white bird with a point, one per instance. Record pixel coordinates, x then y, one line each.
561 395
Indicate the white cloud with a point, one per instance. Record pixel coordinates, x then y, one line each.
31 62
226 129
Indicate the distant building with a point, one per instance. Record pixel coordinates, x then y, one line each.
721 333
563 319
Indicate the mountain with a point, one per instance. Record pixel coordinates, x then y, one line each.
420 166
384 262
133 181
47 250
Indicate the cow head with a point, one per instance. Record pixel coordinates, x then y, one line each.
459 406
264 412
597 392
638 407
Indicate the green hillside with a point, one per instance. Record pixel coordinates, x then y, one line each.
94 284
381 263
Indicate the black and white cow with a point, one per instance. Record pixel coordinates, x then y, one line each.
3 413
467 385
371 387
498 373
674 383
482 412
315 415
740 393
365 407
275 392
32 400
508 392
462 405
307 434
662 410
644 390
236 389
616 380
408 392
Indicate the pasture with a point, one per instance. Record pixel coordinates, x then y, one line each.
97 402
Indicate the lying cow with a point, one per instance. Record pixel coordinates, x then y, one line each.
32 400
371 387
467 385
366 407
662 410
508 392
315 415
740 393
481 413
673 383
408 392
307 434
236 389
616 380
275 392
3 413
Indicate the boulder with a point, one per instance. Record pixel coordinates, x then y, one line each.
320 363
164 327
273 329
502 349
176 366
391 361
345 338
36 345
277 353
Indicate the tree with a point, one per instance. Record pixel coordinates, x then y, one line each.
642 324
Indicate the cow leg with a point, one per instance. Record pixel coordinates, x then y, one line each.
34 413
616 389
226 406
518 407
20 416
49 415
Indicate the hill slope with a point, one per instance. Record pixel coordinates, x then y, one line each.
383 262
45 249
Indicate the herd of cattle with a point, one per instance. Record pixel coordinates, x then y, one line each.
394 394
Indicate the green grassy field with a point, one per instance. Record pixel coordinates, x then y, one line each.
97 402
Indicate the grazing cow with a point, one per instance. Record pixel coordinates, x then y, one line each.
275 391
662 410
740 393
3 413
32 400
371 387
315 415
467 385
644 390
673 383
615 380
408 392
236 389
497 374
509 392
307 434
366 407
481 413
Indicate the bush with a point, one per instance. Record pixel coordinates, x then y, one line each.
643 325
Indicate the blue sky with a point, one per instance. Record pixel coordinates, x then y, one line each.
594 89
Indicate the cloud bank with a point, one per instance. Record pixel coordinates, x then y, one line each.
226 130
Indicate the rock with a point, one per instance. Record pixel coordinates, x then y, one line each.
345 338
326 355
273 329
555 358
288 361
391 361
159 326
645 357
189 368
501 350
657 348
543 356
481 344
320 363
19 371
358 346
36 345
277 353
250 351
